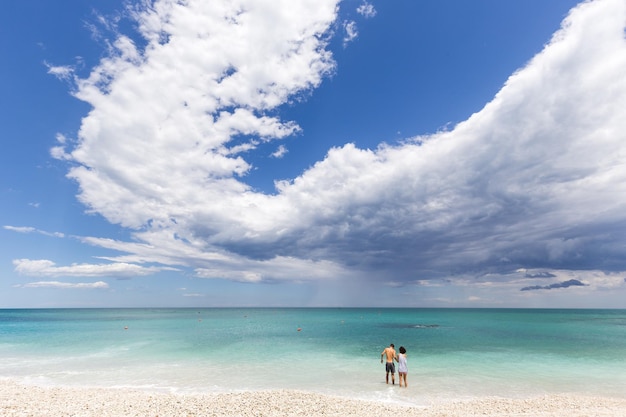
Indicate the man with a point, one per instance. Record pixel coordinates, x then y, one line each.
390 353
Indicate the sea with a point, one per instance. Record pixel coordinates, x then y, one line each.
452 353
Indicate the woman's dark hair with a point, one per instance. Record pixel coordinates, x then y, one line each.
402 350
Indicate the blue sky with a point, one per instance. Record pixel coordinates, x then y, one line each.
313 153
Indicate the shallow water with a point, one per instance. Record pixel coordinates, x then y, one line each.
452 353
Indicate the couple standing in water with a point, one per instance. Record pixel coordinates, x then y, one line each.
390 368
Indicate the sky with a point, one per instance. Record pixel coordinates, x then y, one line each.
314 153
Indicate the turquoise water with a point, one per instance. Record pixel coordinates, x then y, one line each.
452 353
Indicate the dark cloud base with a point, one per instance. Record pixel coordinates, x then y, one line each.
564 284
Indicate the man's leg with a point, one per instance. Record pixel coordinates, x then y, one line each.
387 370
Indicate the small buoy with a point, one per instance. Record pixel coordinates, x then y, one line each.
299 329
125 327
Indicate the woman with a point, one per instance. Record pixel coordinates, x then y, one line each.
402 368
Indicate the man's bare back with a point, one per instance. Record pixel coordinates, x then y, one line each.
390 353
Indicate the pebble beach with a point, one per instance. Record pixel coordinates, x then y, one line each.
30 400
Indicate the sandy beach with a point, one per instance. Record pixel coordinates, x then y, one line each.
28 400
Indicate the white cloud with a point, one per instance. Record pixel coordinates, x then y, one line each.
20 229
366 9
536 179
66 285
46 268
351 32
61 138
177 99
280 152
65 73
275 269
28 229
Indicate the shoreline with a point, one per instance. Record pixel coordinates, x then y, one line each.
17 399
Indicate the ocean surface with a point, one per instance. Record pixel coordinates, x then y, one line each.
452 353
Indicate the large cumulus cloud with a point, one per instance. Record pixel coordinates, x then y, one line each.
536 179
